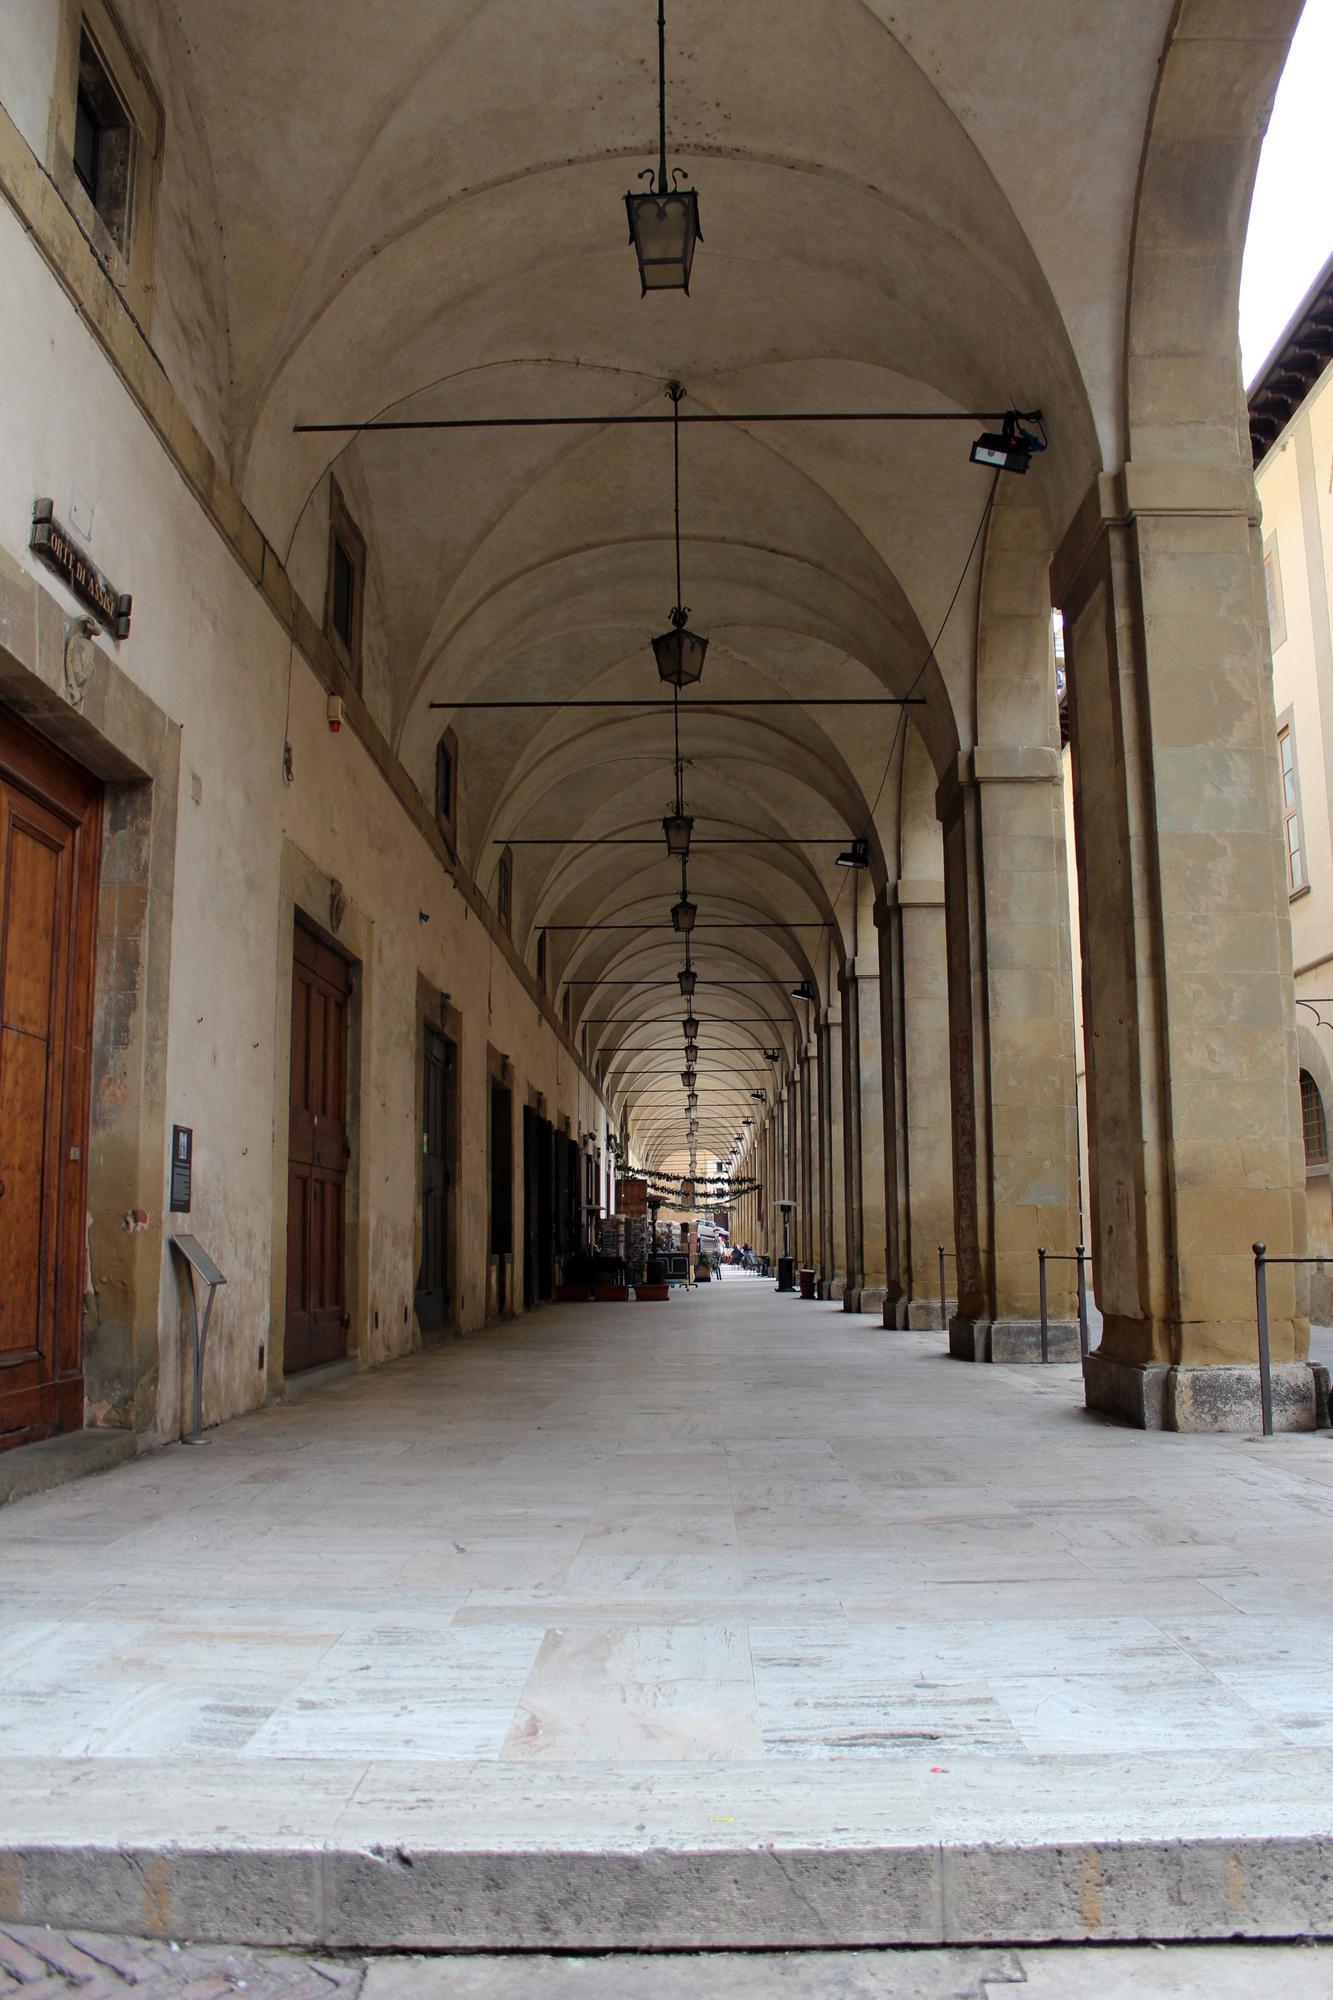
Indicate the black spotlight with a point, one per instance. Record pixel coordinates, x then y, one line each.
855 856
1009 449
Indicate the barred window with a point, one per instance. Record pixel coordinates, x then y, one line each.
1313 1122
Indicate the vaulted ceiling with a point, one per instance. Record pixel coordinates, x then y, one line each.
917 205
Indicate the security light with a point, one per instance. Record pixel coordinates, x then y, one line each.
855 856
772 1055
803 990
1009 449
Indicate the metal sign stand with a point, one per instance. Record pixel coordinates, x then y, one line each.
197 1259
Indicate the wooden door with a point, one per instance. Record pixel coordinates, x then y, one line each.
317 1156
432 1299
50 835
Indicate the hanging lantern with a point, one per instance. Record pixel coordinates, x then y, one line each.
664 223
687 1077
678 828
691 1027
683 914
691 1051
680 653
693 1099
688 980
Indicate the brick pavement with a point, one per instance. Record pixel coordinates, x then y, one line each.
41 1964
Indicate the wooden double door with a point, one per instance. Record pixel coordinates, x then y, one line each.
50 838
318 1151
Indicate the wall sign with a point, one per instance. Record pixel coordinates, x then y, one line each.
57 549
182 1158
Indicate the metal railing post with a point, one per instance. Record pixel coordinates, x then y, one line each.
944 1316
1041 1278
1261 1306
1082 1304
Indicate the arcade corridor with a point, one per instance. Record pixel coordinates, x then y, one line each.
690 1578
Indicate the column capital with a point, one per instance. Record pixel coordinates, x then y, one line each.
999 764
1148 487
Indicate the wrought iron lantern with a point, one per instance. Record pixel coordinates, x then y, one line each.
688 980
683 914
678 827
691 1027
664 223
680 653
693 1099
687 1078
691 1051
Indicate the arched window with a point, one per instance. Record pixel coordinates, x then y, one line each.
1314 1123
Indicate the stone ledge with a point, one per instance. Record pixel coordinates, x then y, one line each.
396 1897
34 1468
1157 1396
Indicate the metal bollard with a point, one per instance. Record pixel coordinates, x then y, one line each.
944 1316
1082 1305
1041 1275
1261 1306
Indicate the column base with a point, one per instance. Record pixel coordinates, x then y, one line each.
1160 1396
1011 1340
895 1314
873 1299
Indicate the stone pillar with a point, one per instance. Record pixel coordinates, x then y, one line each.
1194 1117
807 1176
876 1160
917 931
851 1137
893 1058
1011 1033
834 1142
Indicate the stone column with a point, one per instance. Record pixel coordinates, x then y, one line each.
1011 1032
834 1140
1194 1117
807 1177
918 933
893 1062
851 1101
876 1163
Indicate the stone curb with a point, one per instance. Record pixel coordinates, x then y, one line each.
741 1898
35 1468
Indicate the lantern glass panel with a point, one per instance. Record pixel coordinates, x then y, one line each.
664 229
680 657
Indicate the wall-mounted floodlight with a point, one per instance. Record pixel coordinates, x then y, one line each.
773 1055
760 1096
803 991
855 856
1009 449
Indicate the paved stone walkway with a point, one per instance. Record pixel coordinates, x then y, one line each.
41 1964
732 1574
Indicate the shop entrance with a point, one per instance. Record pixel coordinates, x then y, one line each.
317 1156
